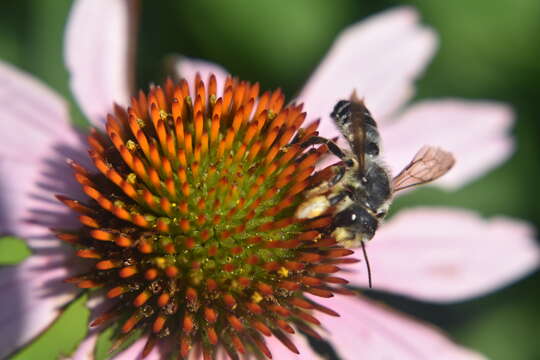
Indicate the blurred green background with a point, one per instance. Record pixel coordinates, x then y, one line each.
489 49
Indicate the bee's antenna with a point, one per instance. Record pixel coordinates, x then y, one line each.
367 263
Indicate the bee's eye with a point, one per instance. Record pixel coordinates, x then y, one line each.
357 219
346 218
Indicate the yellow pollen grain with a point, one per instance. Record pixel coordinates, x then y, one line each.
141 122
130 144
160 262
132 178
163 114
283 272
256 297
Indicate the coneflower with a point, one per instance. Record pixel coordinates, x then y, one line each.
190 220
200 216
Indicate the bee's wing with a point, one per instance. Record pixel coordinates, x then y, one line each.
429 163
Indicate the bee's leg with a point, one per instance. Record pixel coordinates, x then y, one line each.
332 146
326 186
318 190
304 155
339 172
334 200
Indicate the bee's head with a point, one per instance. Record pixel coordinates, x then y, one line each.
358 220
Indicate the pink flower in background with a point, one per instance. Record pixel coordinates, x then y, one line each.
435 254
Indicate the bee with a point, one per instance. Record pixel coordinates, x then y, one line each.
360 188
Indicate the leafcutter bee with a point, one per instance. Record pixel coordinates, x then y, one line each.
360 190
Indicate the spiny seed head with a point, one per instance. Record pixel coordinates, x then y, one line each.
190 219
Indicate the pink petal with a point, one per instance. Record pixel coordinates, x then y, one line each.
85 350
29 208
31 114
448 255
477 133
187 68
379 58
134 351
98 54
36 138
280 352
33 295
367 330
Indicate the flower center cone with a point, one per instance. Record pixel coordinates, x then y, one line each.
190 222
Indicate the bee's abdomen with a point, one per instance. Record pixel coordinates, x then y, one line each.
343 113
344 109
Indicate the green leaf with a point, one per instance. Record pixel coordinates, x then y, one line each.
506 329
12 250
62 337
104 344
